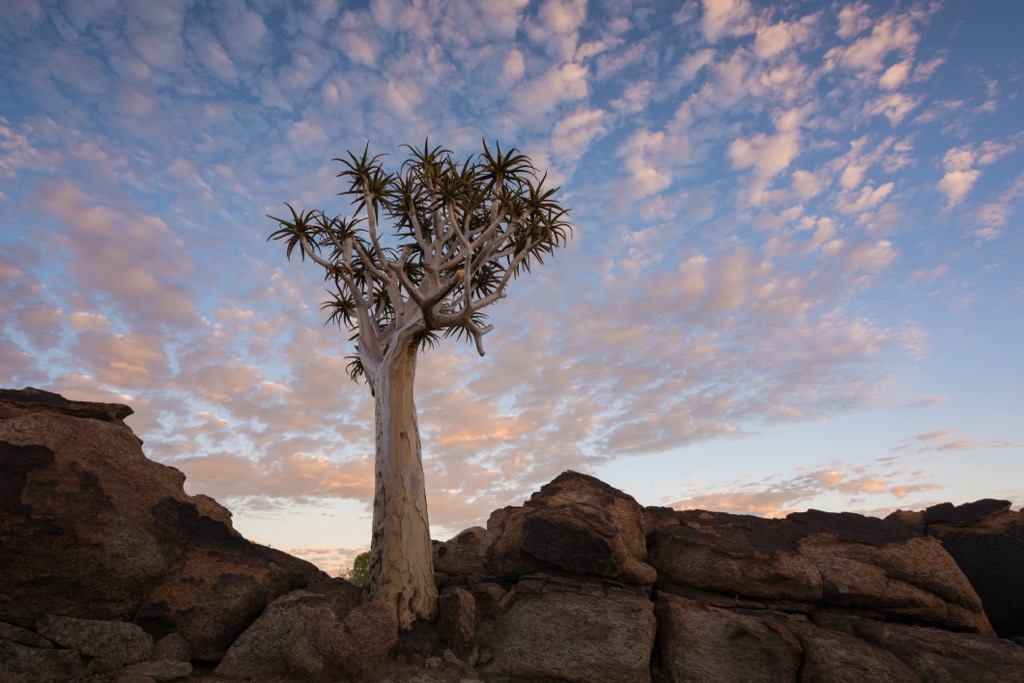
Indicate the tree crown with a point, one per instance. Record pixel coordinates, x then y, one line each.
459 232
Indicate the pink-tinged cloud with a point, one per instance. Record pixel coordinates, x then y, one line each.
772 497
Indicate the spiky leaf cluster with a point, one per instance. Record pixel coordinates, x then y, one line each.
428 246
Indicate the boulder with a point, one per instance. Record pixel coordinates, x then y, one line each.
732 560
836 657
576 526
705 644
457 619
159 670
936 655
365 638
260 649
568 630
171 648
114 641
463 556
307 651
23 636
321 648
21 663
813 561
91 528
986 539
318 633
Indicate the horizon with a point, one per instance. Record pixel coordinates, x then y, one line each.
793 280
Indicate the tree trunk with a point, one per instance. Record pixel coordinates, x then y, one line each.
401 571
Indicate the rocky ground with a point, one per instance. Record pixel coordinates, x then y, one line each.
105 559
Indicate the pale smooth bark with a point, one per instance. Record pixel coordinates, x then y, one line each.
401 569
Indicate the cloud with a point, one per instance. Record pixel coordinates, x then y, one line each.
773 39
894 106
867 54
514 67
154 33
993 217
18 153
121 253
768 155
242 31
948 439
772 497
853 19
559 83
572 134
639 152
868 198
295 475
725 18
961 174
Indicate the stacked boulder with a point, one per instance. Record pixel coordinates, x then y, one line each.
813 597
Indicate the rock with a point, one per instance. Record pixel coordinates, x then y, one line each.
575 526
160 670
914 582
307 651
366 637
223 584
31 400
463 556
935 655
171 648
738 558
452 659
710 645
134 679
115 641
812 561
835 657
570 631
987 542
457 619
320 648
20 662
260 649
132 545
23 636
967 514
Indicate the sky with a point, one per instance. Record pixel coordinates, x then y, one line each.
794 280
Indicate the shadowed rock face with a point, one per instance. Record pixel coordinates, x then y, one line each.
575 526
986 539
91 528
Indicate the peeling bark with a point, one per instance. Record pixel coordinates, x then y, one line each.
401 571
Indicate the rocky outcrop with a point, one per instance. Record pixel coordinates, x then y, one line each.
709 644
92 529
576 526
937 655
810 562
986 539
110 572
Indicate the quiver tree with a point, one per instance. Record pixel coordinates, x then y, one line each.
425 251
